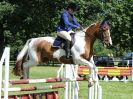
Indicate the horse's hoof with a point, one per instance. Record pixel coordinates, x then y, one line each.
22 77
91 83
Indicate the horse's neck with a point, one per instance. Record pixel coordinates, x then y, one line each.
89 38
89 42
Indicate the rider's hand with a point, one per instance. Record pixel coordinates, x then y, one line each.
80 28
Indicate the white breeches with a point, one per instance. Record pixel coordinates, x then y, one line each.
65 35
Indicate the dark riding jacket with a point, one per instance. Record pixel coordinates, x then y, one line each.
67 22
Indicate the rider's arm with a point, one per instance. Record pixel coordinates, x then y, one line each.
66 21
75 22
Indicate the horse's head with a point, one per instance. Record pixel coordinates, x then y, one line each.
104 33
101 31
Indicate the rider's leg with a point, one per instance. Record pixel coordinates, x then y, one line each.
67 37
68 51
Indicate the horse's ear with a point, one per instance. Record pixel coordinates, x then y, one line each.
108 17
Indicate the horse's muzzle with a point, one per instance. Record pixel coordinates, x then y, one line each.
108 45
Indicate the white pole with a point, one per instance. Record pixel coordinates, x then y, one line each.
1 64
0 78
6 83
93 93
90 93
95 90
127 63
60 71
75 89
132 66
68 75
70 90
66 91
75 86
99 92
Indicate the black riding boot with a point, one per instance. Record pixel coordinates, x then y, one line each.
68 51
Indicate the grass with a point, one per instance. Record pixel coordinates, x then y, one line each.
111 90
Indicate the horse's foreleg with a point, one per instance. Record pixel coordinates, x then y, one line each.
91 69
95 69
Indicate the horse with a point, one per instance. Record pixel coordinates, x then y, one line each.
40 49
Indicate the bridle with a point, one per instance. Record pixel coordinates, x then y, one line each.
104 27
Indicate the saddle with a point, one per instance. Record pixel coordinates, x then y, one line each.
61 43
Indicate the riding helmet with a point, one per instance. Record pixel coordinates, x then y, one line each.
73 6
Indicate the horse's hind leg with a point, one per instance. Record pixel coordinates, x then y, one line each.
26 67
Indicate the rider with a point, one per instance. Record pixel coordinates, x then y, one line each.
66 24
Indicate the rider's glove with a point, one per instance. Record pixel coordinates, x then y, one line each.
81 28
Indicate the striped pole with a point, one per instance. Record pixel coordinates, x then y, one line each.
36 95
47 80
36 88
101 67
111 72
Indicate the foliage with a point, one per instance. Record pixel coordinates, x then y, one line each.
24 19
122 18
99 49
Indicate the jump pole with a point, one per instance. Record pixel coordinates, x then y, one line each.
45 80
6 58
31 88
132 66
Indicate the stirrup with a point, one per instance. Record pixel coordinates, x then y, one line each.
68 56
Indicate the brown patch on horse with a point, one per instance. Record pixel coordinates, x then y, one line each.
66 61
46 53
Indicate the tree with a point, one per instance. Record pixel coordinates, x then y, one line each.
24 19
5 10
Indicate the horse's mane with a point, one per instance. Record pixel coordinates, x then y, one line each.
93 24
82 32
85 28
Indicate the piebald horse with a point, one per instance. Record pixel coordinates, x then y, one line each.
40 49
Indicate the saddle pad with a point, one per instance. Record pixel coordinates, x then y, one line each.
57 42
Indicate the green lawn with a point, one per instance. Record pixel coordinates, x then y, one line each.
111 90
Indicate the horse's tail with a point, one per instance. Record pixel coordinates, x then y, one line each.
18 69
